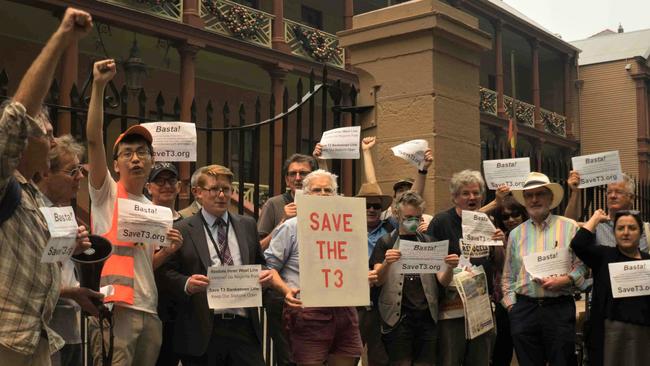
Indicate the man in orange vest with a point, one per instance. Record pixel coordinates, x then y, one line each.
129 270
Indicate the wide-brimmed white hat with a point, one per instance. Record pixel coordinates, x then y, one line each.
536 180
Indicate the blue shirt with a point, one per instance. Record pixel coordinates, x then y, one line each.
375 235
282 253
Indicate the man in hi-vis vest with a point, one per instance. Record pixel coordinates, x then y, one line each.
129 270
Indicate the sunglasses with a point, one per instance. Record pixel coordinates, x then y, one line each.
513 215
376 206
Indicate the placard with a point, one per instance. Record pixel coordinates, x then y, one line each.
173 141
234 287
549 263
478 229
471 251
341 143
509 172
598 169
332 239
62 225
630 279
143 223
420 257
412 151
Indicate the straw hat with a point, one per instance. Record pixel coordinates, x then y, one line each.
536 180
373 190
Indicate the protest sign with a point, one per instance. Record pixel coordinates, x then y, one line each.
598 169
549 263
473 290
143 223
509 172
478 229
469 250
332 238
412 151
234 287
173 141
341 143
62 225
630 279
420 257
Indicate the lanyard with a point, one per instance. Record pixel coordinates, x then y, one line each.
214 243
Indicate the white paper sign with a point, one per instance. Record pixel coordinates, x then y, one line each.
509 172
234 287
420 257
630 279
478 229
549 263
341 143
332 239
62 225
598 169
143 223
173 141
412 151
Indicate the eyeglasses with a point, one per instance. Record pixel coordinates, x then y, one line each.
74 171
141 153
293 173
375 206
514 215
216 190
617 192
322 190
160 181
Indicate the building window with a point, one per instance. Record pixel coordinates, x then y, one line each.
312 17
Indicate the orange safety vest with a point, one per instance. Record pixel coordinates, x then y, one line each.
119 269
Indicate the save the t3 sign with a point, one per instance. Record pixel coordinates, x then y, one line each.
332 239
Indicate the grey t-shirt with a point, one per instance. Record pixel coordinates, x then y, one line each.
272 213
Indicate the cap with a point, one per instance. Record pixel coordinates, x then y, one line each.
133 130
403 182
161 167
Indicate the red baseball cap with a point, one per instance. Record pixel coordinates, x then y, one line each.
133 130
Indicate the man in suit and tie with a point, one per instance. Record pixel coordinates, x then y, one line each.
214 237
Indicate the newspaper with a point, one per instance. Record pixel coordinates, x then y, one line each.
473 290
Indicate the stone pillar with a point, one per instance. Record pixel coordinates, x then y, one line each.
568 79
537 101
278 80
348 13
498 51
69 73
277 31
187 54
418 63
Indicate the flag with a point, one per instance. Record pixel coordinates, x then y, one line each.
512 137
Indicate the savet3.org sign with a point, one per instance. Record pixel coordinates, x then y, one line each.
333 244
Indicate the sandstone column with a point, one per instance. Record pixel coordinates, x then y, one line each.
418 63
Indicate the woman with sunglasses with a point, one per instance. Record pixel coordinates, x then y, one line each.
620 326
508 214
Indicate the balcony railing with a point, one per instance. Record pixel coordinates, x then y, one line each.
313 44
167 9
237 21
553 123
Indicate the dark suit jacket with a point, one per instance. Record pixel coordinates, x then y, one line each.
194 321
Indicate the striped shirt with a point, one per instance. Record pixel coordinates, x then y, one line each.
528 238
29 289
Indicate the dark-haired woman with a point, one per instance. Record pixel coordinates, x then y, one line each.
620 326
508 214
